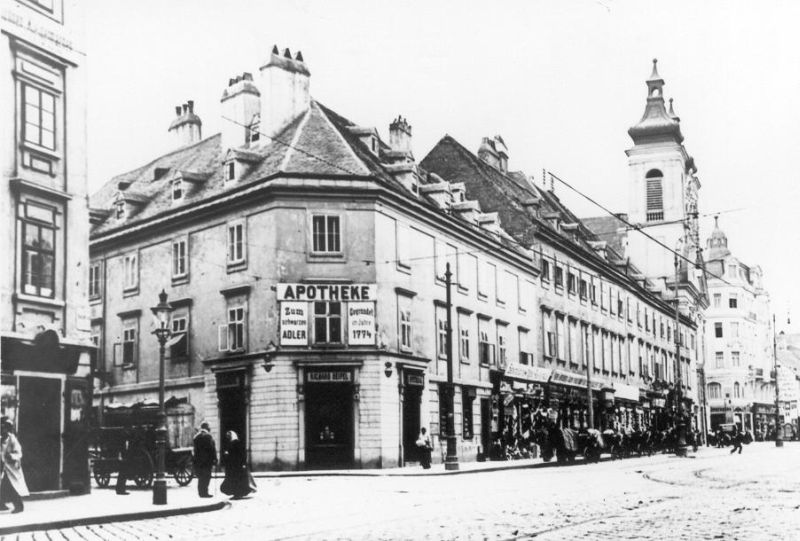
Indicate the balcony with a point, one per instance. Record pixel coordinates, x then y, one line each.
655 216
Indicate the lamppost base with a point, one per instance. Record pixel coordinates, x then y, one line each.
160 492
451 463
778 443
681 451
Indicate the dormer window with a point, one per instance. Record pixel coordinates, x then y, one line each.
119 210
255 134
177 189
374 145
230 171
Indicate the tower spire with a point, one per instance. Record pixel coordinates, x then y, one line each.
656 124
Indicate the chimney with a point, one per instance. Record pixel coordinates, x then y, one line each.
494 152
400 135
187 126
240 104
284 84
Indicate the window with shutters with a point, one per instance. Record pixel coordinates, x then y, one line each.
655 198
441 332
179 341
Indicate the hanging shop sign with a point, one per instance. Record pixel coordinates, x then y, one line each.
528 373
626 392
361 323
574 380
327 292
294 323
329 376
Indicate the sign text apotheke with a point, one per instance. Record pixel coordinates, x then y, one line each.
327 292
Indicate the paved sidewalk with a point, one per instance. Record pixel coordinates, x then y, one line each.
102 506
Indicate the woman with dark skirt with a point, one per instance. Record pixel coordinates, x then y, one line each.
238 482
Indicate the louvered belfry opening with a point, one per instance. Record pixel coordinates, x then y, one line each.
655 196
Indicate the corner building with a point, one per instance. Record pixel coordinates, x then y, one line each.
46 365
304 258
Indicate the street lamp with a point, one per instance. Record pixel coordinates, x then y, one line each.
778 438
162 311
451 458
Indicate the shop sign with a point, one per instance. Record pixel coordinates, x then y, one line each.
361 323
294 323
529 373
416 380
574 380
329 376
626 392
327 292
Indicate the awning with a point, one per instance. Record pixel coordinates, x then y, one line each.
626 392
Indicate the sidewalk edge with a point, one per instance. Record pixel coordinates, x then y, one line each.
103 519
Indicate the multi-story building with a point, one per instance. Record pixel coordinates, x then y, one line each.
740 381
305 260
788 373
46 352
600 323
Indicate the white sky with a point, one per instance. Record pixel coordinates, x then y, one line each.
561 81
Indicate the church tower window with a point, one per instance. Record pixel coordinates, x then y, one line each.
655 196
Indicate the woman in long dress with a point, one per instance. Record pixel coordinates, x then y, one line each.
238 482
12 486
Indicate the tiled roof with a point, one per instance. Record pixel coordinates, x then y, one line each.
316 143
609 229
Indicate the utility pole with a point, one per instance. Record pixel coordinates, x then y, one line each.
451 459
589 404
778 438
680 425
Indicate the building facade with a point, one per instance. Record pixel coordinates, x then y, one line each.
599 322
46 352
740 380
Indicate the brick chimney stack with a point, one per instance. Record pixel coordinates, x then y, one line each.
284 89
400 135
187 126
240 106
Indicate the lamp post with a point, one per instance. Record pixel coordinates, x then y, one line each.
451 459
778 438
162 311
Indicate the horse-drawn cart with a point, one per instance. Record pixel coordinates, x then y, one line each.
127 441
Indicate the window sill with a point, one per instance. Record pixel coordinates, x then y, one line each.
96 299
46 301
236 266
129 366
130 291
464 361
33 147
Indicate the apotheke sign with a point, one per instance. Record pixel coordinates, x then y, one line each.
327 292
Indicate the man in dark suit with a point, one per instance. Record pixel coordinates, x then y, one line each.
205 458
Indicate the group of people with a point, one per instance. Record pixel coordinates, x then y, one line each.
238 481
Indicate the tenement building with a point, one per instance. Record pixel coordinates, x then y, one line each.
305 260
740 380
600 324
46 352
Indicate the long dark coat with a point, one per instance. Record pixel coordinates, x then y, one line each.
238 481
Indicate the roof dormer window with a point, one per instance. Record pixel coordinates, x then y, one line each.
255 134
119 209
177 189
230 171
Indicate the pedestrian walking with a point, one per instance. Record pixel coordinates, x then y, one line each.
125 466
205 458
424 447
737 440
12 485
238 481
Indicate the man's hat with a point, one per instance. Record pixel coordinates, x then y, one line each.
205 426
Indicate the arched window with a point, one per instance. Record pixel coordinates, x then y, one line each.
737 390
655 196
714 391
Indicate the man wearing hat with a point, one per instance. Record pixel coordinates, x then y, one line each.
205 458
12 486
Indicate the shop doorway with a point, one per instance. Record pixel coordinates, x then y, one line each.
412 397
486 428
232 405
39 431
329 420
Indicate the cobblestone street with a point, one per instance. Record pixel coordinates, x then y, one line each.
715 495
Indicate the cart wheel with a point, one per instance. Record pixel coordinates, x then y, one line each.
184 473
102 478
144 479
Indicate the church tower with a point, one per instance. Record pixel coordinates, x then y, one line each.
662 191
